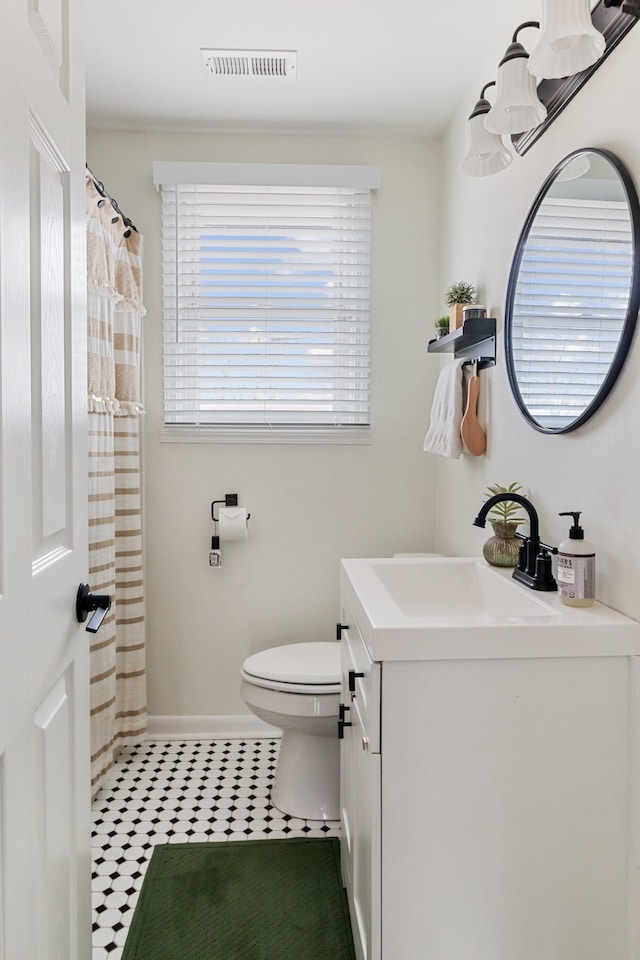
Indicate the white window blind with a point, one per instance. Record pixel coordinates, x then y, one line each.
570 304
266 305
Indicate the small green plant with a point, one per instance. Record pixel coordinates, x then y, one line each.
506 511
460 292
442 323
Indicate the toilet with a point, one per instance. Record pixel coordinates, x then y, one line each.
297 688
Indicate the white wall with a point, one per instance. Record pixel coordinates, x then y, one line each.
310 505
595 469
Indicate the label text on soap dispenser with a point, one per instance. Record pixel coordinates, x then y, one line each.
576 576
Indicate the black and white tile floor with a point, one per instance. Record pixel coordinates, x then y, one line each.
178 792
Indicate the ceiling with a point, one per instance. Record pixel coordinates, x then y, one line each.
363 66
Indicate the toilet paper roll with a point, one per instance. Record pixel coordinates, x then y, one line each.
232 523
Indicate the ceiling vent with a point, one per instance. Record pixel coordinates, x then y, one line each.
250 63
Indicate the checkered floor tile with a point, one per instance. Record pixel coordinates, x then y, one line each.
174 792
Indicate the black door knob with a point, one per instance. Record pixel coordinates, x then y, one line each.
96 604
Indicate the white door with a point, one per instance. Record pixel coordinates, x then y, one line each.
44 764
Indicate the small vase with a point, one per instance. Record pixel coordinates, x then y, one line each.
455 315
502 549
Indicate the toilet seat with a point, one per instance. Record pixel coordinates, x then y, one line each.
296 667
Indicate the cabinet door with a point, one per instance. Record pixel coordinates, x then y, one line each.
365 682
365 842
360 815
347 805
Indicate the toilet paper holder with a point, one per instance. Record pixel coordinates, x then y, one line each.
215 554
230 500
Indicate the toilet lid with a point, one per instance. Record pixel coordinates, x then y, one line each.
312 663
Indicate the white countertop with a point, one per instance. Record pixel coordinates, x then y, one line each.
451 608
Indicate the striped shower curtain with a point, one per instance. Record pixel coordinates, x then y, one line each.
115 312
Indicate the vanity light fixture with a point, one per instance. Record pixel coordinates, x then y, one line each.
516 107
574 40
569 42
486 153
632 7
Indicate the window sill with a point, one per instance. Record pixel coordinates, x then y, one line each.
186 433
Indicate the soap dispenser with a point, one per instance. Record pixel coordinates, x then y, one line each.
576 566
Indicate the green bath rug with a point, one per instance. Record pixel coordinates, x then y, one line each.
242 900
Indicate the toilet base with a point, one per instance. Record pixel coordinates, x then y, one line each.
307 781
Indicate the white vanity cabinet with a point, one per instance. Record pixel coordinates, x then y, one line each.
490 805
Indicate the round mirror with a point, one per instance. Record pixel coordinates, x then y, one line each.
574 291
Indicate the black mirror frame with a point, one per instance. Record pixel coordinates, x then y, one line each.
634 294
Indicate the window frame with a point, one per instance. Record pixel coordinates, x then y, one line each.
170 173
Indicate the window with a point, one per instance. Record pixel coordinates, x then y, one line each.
266 300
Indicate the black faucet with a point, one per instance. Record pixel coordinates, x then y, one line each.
534 561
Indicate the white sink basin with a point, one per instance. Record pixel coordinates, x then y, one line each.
457 587
424 608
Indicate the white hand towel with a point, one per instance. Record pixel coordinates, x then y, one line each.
443 436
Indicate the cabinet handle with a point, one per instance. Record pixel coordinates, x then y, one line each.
342 723
339 628
352 679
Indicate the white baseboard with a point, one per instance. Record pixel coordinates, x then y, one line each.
209 728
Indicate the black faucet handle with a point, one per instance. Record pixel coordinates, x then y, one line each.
544 576
545 546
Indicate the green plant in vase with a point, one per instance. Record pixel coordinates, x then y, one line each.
459 295
501 550
442 326
460 292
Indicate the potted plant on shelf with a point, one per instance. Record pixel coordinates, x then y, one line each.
501 550
459 295
442 327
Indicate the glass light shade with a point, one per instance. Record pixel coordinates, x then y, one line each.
516 107
568 41
487 153
575 169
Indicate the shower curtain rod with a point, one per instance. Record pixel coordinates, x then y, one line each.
100 187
